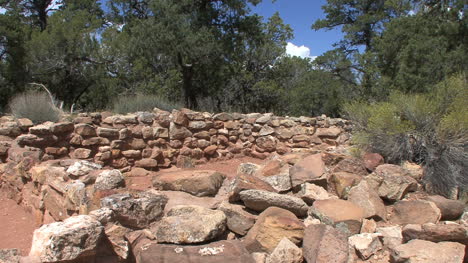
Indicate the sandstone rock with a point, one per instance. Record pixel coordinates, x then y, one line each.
198 183
395 187
245 182
41 129
391 169
331 133
307 170
248 168
281 181
266 130
366 244
368 226
311 192
180 118
264 118
351 165
391 236
116 236
103 215
136 212
421 251
267 143
75 195
223 117
335 211
369 200
85 130
81 168
10 129
260 200
75 238
437 232
185 224
210 150
372 160
147 163
11 255
259 257
343 181
415 212
323 243
177 132
109 179
62 128
238 220
285 252
231 251
54 203
271 227
160 132
108 132
450 209
132 154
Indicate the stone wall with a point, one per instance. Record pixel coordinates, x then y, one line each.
161 139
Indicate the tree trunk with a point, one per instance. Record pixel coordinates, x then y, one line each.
190 97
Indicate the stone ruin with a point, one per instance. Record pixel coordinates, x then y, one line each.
307 200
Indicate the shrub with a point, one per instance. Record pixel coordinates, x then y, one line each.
34 105
430 129
142 102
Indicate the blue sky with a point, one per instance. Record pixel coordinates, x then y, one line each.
300 15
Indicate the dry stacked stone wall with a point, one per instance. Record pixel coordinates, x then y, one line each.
160 139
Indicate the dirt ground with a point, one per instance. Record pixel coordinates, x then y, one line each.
17 225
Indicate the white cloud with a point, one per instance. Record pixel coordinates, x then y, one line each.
2 10
299 51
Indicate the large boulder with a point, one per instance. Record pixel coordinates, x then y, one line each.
136 211
229 251
239 221
450 209
323 244
75 238
198 183
339 212
309 169
415 212
186 224
368 199
422 251
271 227
259 200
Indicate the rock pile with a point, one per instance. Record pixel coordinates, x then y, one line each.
312 205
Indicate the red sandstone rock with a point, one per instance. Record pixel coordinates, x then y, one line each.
271 226
323 244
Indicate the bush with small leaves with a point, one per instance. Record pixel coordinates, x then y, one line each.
430 129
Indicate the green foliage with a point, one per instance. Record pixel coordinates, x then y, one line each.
431 129
35 106
142 102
